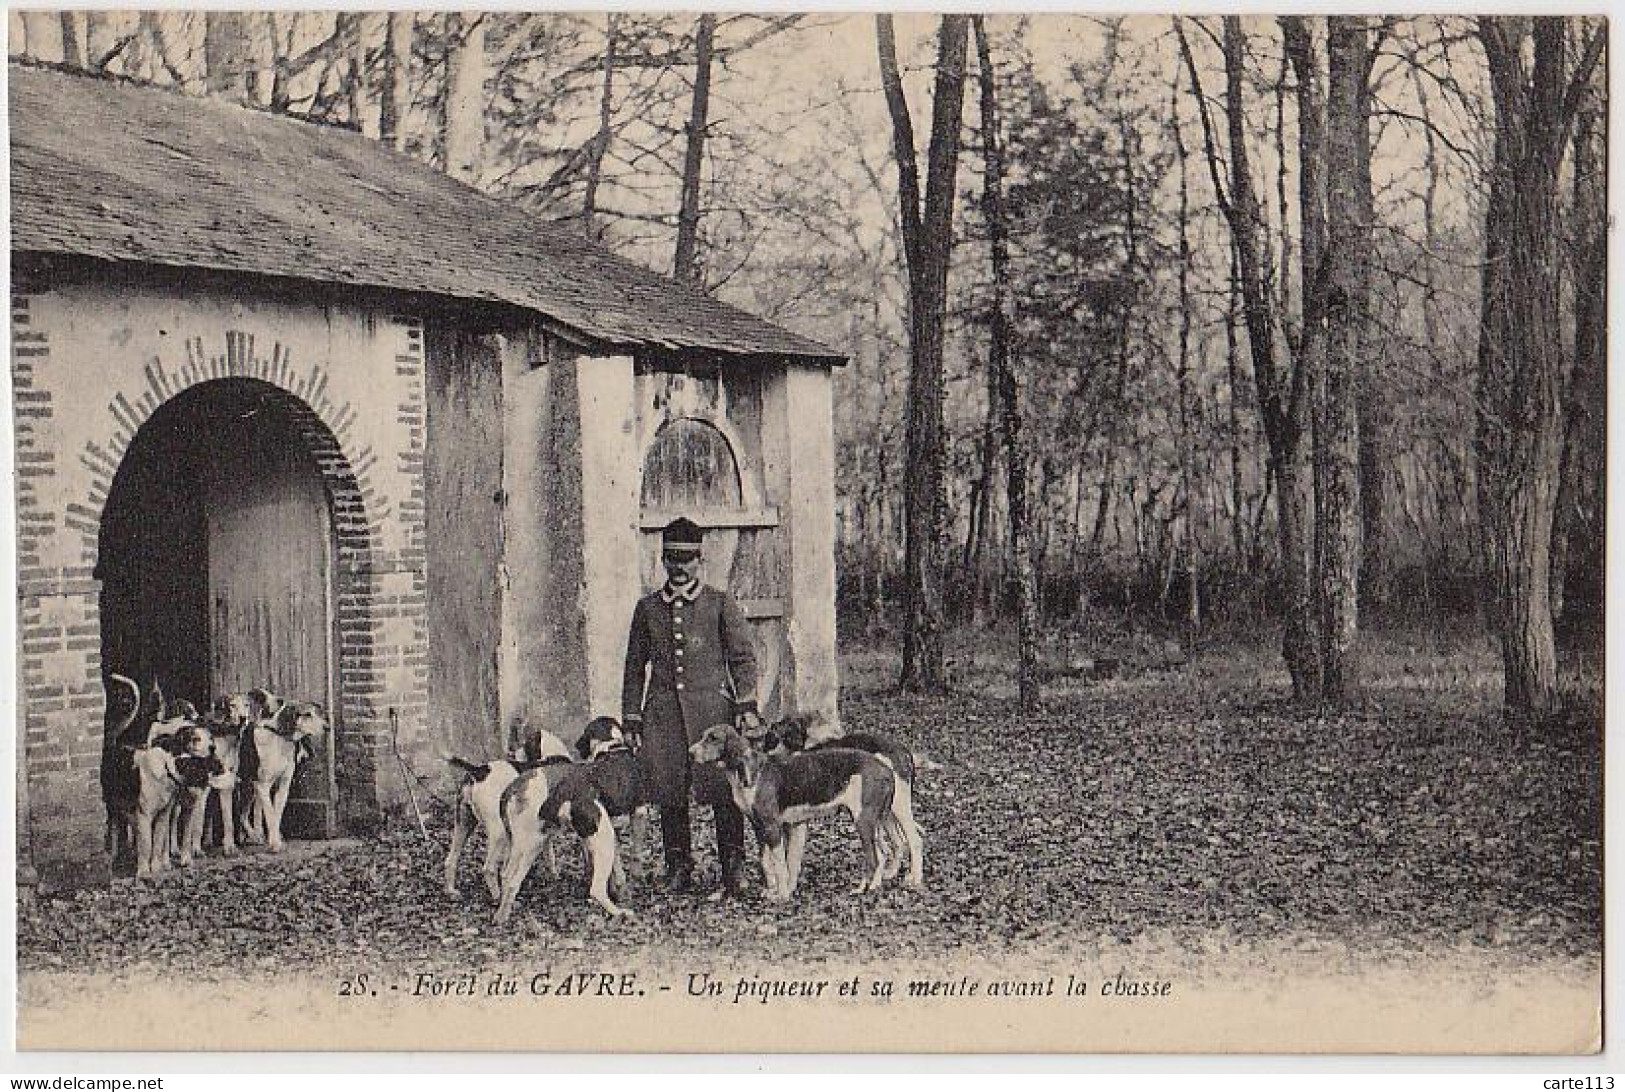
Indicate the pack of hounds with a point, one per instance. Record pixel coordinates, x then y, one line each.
779 778
162 760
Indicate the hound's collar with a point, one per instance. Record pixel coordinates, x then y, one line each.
670 594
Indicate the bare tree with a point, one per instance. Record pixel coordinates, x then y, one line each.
1282 384
1342 307
237 56
352 33
1520 347
463 116
227 66
688 216
102 44
601 139
927 240
1579 539
395 87
1002 324
1182 378
73 42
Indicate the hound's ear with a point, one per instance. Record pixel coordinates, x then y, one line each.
266 704
741 756
584 745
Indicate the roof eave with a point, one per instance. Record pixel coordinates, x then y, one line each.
55 267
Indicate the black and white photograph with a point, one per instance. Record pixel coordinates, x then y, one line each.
692 531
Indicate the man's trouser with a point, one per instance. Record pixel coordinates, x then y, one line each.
677 839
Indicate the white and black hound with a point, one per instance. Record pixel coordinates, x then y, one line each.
901 831
780 795
583 797
479 799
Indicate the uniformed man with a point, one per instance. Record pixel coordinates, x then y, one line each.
690 664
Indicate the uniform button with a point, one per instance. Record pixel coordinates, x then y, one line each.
679 669
679 686
679 652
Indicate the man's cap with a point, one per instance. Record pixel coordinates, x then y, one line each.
681 535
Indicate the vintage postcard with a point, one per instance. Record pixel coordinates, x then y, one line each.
672 532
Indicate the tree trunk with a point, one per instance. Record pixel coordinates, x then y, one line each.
463 118
1182 372
600 141
1238 493
972 602
226 62
1583 497
1343 307
927 238
1520 347
73 51
1375 418
1108 485
350 31
683 266
101 42
395 88
1003 327
982 491
1282 389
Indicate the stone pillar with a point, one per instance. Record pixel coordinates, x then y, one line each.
809 509
610 481
543 656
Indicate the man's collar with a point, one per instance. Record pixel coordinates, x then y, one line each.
669 594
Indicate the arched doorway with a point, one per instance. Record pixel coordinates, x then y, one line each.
216 561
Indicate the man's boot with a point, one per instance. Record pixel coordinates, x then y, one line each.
674 839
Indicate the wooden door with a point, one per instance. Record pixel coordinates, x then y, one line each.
270 592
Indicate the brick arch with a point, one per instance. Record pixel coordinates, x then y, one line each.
327 430
327 427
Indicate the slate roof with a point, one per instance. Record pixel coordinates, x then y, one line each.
130 173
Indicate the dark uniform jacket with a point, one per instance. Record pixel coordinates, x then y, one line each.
696 645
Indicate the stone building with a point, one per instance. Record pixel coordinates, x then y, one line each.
294 410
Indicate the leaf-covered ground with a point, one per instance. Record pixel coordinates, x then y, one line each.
1189 802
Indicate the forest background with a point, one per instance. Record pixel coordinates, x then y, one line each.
1201 326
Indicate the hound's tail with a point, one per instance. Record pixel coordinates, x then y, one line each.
116 731
477 770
